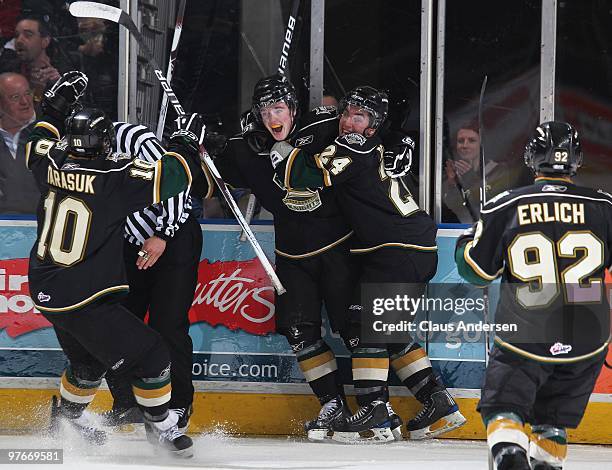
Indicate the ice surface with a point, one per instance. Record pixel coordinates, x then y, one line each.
220 451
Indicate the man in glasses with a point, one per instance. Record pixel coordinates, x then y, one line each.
18 191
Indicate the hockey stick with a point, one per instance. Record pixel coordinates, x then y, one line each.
178 27
98 10
288 39
283 69
483 201
248 214
483 176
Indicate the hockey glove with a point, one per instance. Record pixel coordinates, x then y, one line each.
62 98
190 132
397 158
280 151
253 132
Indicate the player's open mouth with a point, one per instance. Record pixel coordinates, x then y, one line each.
276 128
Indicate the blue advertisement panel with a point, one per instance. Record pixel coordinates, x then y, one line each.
232 317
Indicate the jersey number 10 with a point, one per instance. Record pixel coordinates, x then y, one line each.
57 222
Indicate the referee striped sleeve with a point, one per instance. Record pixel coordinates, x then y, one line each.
164 218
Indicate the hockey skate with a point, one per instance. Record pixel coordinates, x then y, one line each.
439 415
395 423
537 465
370 424
184 414
320 428
165 435
122 417
82 425
511 458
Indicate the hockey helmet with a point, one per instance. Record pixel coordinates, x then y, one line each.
273 89
375 102
90 133
554 148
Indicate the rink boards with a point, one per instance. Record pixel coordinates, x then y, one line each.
246 378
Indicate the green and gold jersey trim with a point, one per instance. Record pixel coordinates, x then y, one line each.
83 303
316 252
326 176
551 360
157 182
475 267
289 166
50 127
40 125
544 179
408 246
172 178
298 174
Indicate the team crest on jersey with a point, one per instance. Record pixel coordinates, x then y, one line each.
304 140
354 139
554 188
325 110
42 297
302 201
115 157
559 348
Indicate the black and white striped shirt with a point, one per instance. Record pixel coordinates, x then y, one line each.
162 219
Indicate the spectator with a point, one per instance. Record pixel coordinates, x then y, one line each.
10 11
32 40
461 187
19 193
329 100
99 62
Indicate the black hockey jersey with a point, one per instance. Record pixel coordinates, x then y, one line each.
380 210
306 222
551 243
77 257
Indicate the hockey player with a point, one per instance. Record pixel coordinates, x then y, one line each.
395 243
312 255
76 272
550 243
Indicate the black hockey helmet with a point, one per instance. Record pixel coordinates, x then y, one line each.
375 102
272 89
90 134
553 149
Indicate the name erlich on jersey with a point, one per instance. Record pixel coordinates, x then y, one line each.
542 212
71 181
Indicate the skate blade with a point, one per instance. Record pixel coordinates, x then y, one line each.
443 425
127 428
183 454
397 433
318 435
179 454
369 436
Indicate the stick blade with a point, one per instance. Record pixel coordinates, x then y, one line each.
95 10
